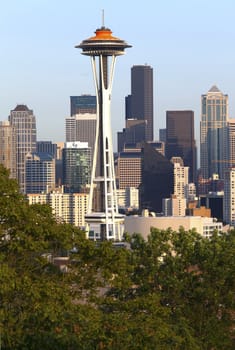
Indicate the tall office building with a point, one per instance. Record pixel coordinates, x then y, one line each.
8 147
68 207
229 195
82 104
24 122
47 147
39 172
176 205
133 133
214 145
76 166
231 143
157 179
180 177
138 108
180 140
142 97
82 128
128 171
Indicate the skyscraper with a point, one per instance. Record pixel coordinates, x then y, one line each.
82 104
231 143
141 103
24 122
180 177
47 147
76 166
39 172
214 145
157 179
229 195
81 127
129 169
8 147
180 140
138 108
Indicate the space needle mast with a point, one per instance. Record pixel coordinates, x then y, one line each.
103 48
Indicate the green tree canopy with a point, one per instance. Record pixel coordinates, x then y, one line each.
174 290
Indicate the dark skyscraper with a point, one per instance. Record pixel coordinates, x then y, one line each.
142 97
138 108
157 179
82 104
180 141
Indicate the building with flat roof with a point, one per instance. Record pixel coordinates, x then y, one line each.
67 207
76 166
143 224
82 104
180 139
128 170
8 147
39 172
157 179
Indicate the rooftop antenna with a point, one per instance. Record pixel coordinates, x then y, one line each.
103 18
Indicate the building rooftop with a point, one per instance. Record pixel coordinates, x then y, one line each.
214 88
21 108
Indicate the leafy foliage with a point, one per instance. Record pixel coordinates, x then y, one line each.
173 291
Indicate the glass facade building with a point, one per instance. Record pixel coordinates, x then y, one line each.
82 104
76 166
213 133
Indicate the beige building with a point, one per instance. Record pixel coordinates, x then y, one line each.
68 207
143 224
8 147
174 206
128 170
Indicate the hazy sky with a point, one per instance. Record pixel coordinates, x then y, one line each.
189 43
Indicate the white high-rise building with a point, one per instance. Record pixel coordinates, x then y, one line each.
180 176
176 205
229 197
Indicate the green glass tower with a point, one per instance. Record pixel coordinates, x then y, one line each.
213 142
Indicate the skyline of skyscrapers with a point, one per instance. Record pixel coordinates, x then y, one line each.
220 135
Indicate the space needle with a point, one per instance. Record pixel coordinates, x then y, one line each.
103 219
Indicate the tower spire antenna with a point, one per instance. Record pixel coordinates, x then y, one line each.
103 18
103 219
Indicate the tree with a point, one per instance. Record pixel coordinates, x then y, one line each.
174 290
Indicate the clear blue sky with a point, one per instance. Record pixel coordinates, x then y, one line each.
190 45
